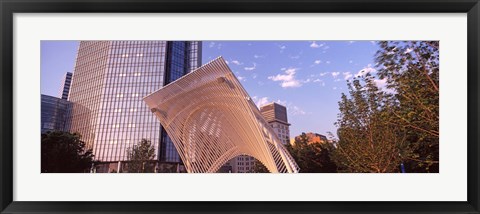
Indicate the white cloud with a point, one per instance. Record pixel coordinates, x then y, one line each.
351 42
282 47
334 88
266 100
291 84
261 101
288 79
316 45
317 61
381 83
295 57
347 75
328 62
251 68
298 111
213 45
365 71
281 102
258 56
351 61
335 74
322 83
392 51
236 62
243 79
323 74
408 50
254 76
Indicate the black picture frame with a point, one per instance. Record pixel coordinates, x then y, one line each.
9 7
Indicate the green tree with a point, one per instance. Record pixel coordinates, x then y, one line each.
380 128
140 157
64 152
368 140
258 167
412 71
313 157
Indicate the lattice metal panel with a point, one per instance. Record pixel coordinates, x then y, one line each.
211 119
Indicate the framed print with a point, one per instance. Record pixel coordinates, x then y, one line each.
353 106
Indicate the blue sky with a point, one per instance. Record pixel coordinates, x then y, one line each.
307 77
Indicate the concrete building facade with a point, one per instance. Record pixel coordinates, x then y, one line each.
314 138
276 116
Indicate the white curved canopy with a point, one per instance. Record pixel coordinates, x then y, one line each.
211 119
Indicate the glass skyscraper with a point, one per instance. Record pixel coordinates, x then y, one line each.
109 81
53 111
65 89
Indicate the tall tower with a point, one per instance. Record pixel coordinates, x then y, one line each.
110 80
276 115
65 89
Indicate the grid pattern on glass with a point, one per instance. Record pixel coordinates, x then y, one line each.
109 82
86 88
65 89
134 69
183 58
53 113
195 53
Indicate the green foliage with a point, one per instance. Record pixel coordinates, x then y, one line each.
379 129
63 152
368 140
413 71
258 167
140 157
313 157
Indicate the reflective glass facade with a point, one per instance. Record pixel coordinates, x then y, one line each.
53 113
110 80
183 58
65 89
